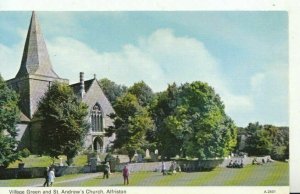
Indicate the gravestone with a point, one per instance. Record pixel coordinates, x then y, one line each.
93 163
147 153
140 158
61 162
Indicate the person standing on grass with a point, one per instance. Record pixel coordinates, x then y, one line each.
126 174
51 177
163 168
46 175
106 170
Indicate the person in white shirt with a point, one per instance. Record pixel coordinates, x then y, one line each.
51 177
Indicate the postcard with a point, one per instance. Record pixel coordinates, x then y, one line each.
142 101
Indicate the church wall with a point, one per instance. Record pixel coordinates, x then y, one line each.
37 90
96 95
39 85
21 86
23 136
30 137
93 96
34 79
35 130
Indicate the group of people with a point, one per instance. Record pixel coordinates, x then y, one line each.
125 173
263 161
235 164
49 175
173 168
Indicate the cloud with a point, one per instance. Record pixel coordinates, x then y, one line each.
11 56
257 80
10 60
269 90
159 59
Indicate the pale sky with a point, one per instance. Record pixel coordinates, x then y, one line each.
243 55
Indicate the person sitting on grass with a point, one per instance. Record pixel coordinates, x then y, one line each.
254 161
235 164
241 164
173 167
269 160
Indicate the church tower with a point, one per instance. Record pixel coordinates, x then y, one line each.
34 79
36 73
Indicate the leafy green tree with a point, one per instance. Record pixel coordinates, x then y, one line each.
64 122
112 90
131 123
9 116
165 105
193 116
267 140
213 133
143 93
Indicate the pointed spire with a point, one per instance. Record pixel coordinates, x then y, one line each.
35 58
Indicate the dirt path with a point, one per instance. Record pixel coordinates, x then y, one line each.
78 179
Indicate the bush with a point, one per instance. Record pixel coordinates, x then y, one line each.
25 153
278 153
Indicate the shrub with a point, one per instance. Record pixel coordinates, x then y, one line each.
25 153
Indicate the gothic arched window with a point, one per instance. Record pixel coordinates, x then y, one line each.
96 119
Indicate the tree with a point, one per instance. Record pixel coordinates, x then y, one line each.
131 123
9 116
112 90
258 141
191 121
164 106
143 93
267 140
64 122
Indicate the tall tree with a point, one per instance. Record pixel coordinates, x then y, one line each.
143 93
131 124
112 90
9 116
64 122
193 116
164 106
267 140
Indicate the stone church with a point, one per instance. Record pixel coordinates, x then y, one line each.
33 80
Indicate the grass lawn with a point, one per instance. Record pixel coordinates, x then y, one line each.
43 161
274 174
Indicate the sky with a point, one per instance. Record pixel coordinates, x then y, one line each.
242 55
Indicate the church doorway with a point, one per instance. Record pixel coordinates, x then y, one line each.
98 145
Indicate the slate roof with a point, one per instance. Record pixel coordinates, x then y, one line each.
35 58
99 95
87 85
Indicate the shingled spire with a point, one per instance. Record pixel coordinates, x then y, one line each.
35 60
